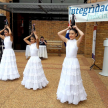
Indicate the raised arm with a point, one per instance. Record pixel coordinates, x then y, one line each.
2 30
10 33
26 39
60 34
37 39
45 42
81 35
2 36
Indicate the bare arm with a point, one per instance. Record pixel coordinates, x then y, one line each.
2 37
37 39
81 35
45 43
10 33
26 39
2 30
60 34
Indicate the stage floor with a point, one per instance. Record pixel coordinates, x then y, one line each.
14 95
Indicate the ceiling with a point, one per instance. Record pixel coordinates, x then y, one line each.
24 6
53 1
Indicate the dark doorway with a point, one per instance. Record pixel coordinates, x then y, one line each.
22 25
20 30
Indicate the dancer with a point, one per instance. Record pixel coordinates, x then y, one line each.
8 67
34 76
70 88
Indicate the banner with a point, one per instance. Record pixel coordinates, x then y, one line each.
92 12
94 42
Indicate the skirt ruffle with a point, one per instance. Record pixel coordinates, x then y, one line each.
34 76
70 88
8 66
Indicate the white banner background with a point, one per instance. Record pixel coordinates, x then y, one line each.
92 12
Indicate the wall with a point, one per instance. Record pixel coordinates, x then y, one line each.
87 28
102 34
7 14
49 30
2 11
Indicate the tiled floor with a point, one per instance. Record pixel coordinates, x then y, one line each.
14 95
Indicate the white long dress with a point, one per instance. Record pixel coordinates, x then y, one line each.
8 67
34 76
70 88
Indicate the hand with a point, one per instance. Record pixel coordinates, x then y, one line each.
69 27
44 41
5 26
34 32
31 32
75 27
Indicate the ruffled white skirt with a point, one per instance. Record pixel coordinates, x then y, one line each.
34 76
8 67
70 88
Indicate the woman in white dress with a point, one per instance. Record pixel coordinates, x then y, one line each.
8 67
70 88
34 76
